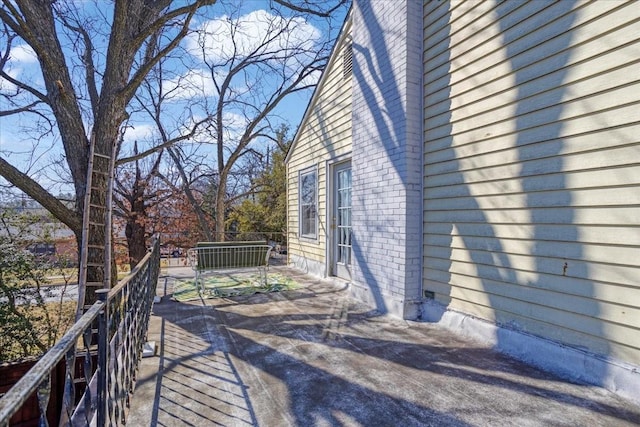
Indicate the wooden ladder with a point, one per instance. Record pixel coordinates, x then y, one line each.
96 216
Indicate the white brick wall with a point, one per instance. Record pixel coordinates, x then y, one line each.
387 163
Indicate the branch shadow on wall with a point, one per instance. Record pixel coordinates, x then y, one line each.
384 246
313 357
494 264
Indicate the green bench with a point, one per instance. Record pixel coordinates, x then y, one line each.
215 256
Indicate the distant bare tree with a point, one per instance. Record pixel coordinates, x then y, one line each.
92 63
135 194
243 67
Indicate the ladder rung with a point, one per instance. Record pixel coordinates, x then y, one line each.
95 246
93 205
100 173
104 156
96 223
94 284
95 264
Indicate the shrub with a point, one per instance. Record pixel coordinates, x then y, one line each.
31 318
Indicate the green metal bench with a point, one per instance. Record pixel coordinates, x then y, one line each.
215 256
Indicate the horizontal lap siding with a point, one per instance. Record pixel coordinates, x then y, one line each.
532 167
324 135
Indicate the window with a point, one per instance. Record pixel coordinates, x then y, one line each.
308 187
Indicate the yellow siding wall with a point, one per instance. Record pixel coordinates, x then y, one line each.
324 135
532 167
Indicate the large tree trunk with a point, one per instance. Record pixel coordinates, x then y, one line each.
136 240
135 229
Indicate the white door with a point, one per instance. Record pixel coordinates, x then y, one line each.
342 221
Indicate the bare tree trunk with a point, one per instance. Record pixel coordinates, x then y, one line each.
136 240
221 196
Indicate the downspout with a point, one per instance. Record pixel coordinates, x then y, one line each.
286 207
422 169
420 298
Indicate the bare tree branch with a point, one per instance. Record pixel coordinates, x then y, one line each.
26 108
144 69
190 196
68 217
300 6
87 59
166 144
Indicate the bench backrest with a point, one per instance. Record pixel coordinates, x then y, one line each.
220 255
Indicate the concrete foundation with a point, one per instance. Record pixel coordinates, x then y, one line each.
308 266
568 362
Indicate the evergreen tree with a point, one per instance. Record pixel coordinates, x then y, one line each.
266 211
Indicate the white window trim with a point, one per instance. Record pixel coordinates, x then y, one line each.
310 170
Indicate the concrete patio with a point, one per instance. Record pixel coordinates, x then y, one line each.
314 357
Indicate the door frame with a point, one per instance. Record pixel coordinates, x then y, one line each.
332 234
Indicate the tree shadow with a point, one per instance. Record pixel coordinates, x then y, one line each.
536 105
315 357
319 397
332 373
193 381
202 380
386 159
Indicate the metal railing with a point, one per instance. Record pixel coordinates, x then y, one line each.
122 315
269 236
277 240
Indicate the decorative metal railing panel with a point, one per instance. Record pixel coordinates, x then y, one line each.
129 308
122 315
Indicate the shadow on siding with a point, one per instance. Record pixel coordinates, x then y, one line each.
494 262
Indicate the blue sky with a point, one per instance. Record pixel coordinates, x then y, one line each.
17 136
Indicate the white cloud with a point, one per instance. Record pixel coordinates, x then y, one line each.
139 132
21 66
224 38
23 54
234 125
5 85
195 83
312 78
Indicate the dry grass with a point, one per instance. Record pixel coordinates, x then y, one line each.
50 322
70 275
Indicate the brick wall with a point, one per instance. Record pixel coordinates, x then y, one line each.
387 164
